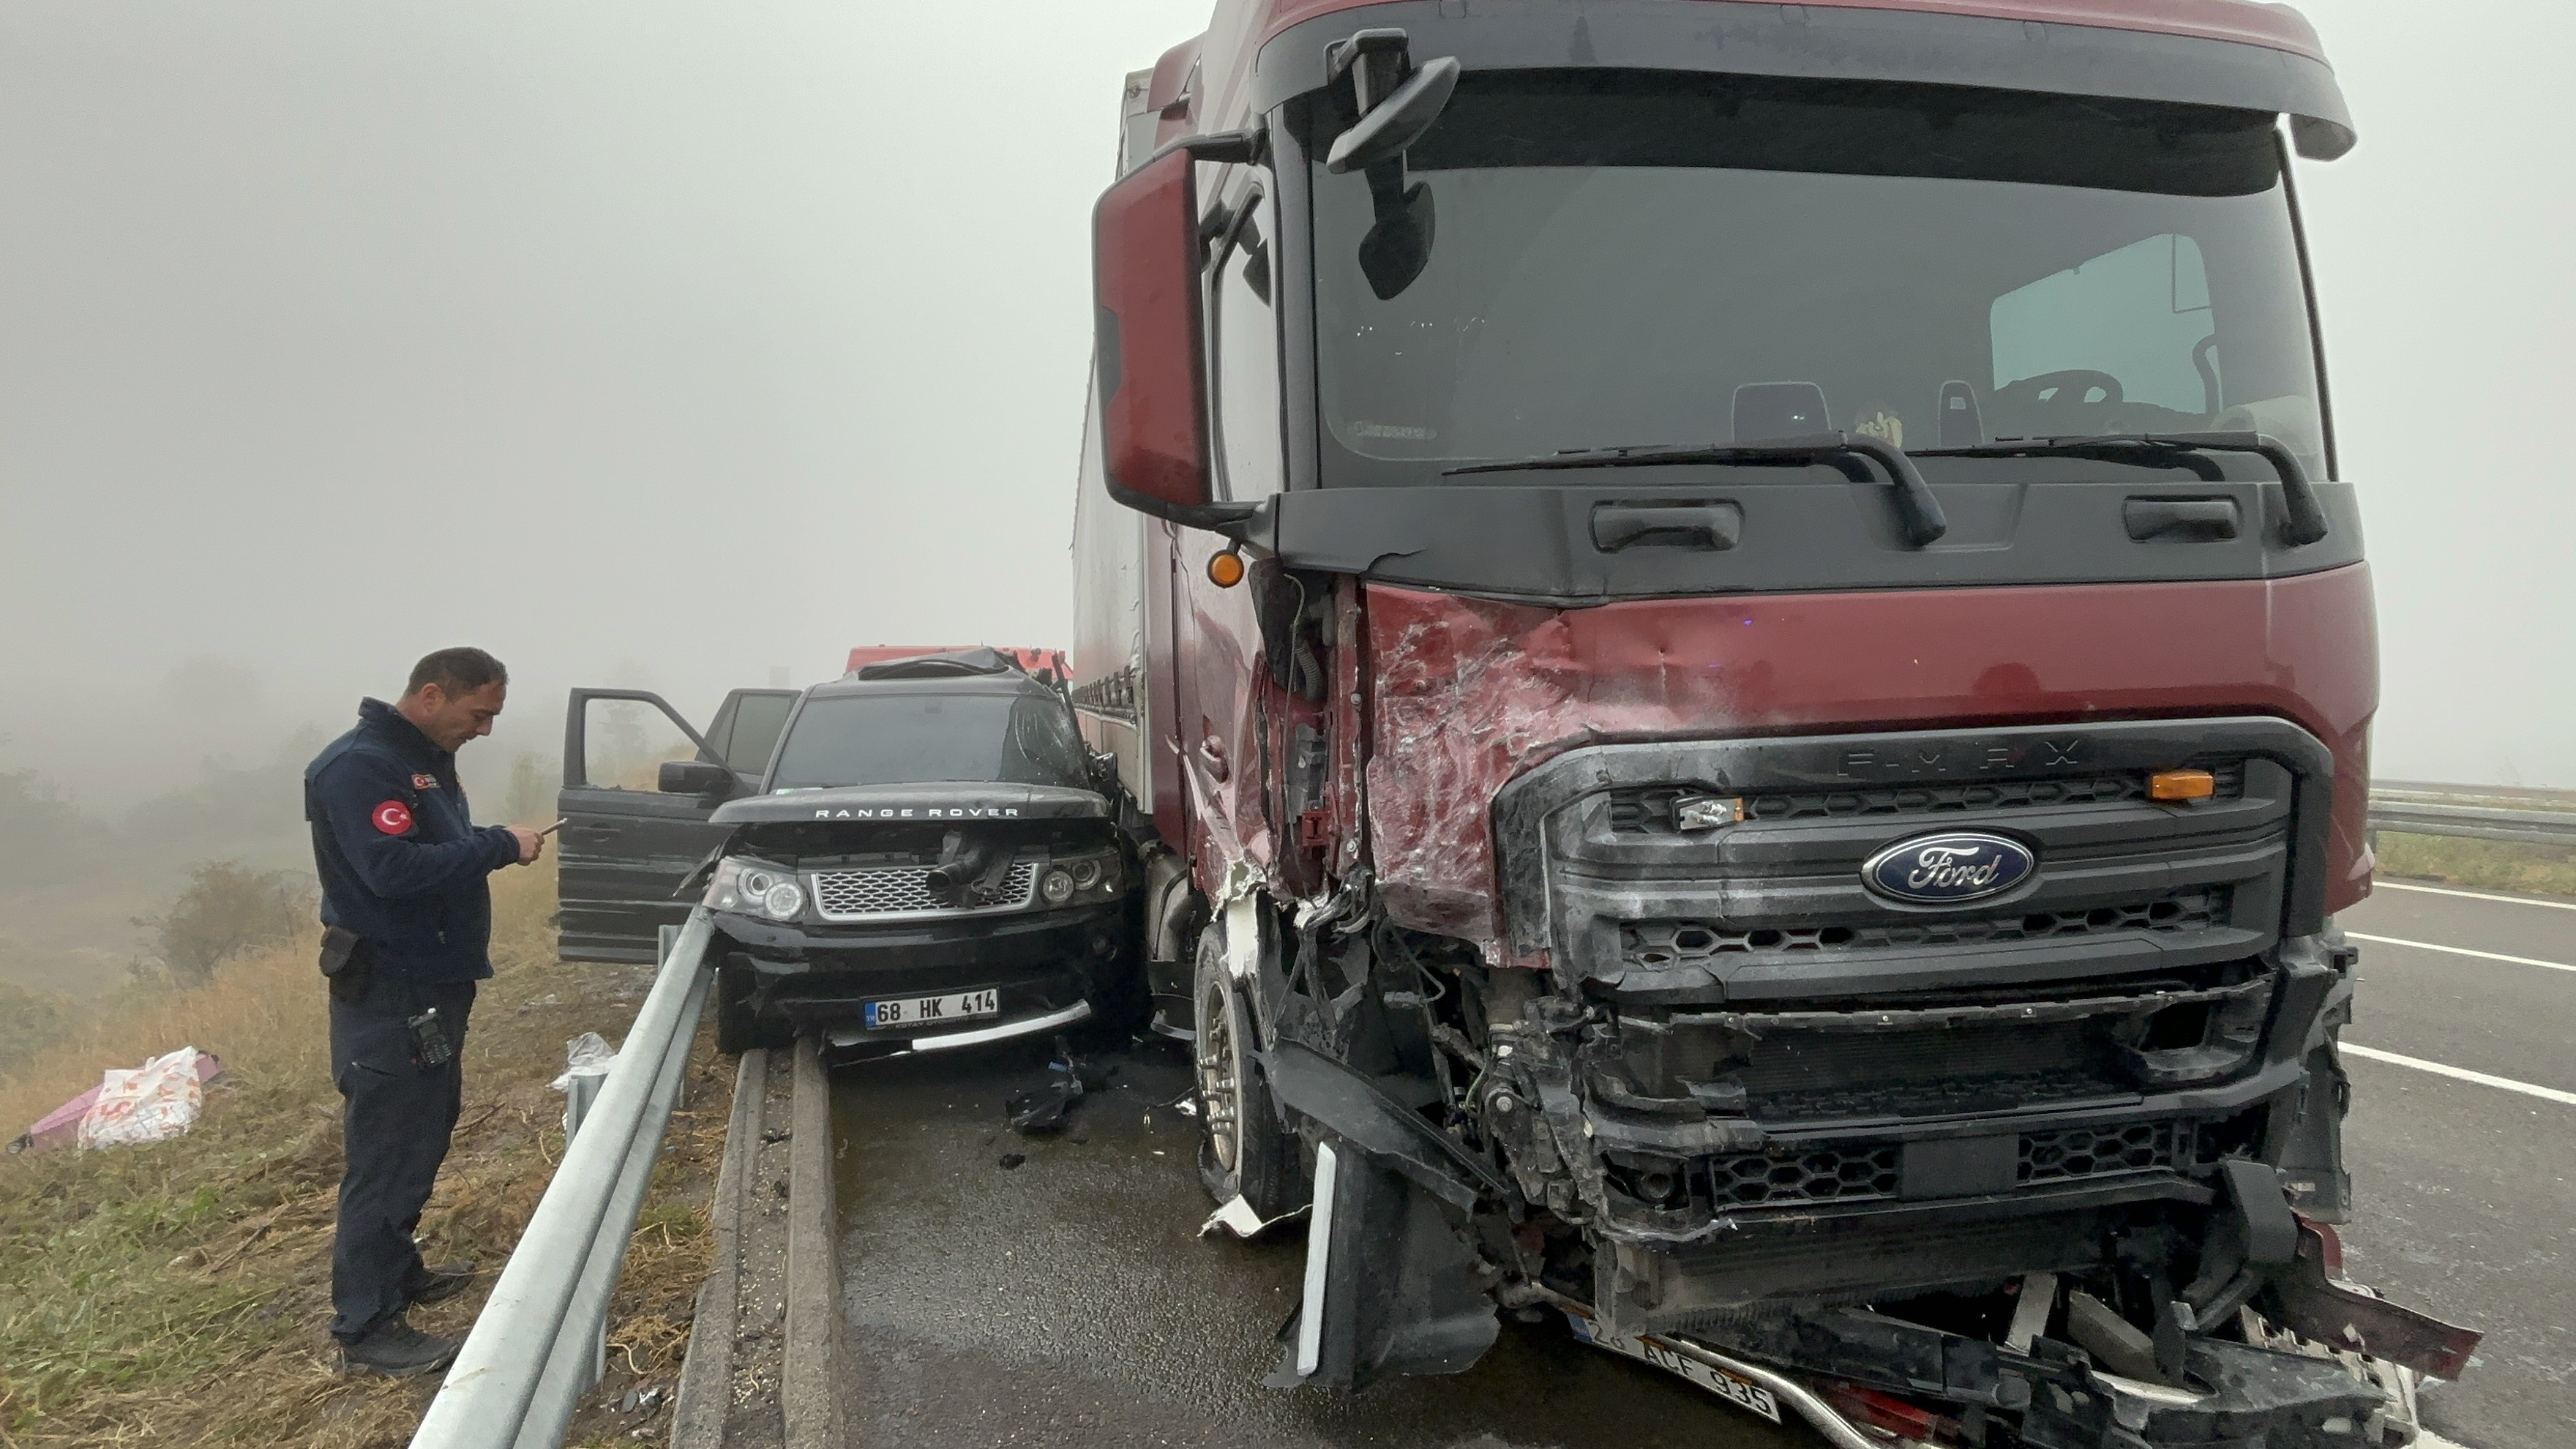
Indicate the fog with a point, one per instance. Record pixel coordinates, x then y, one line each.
676 345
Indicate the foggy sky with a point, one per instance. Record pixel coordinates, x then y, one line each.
663 344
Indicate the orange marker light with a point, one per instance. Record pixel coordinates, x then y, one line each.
1225 570
2181 785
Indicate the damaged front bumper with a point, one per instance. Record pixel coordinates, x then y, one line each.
2052 1168
1046 968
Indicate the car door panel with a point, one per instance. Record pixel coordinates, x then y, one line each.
626 846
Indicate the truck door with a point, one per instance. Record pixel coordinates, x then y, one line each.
625 845
1218 638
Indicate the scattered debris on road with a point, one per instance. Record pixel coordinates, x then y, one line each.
1041 1112
1240 1218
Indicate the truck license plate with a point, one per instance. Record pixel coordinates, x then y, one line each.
1743 1394
924 1010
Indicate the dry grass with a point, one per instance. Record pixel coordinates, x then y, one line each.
2490 865
177 1293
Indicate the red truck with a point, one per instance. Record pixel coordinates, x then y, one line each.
1740 642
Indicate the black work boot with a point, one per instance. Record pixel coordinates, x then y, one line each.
425 1284
398 1350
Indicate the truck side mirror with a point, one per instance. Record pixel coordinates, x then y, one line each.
695 777
1149 343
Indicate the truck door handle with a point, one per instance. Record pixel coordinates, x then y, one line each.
2179 520
1705 527
1214 755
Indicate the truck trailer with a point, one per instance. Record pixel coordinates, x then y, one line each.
1746 668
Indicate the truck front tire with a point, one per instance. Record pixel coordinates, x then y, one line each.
1242 1149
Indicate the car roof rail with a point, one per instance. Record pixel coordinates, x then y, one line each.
933 666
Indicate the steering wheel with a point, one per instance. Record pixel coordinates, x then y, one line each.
2049 389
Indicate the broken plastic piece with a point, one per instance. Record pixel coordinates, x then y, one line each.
2030 1312
2114 1342
1241 1219
1042 1112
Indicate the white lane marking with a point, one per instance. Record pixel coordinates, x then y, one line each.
2546 1094
2462 951
2390 885
2427 1439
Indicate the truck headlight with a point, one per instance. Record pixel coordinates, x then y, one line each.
755 887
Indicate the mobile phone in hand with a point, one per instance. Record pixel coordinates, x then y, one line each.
551 829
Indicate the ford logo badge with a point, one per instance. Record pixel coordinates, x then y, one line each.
1945 869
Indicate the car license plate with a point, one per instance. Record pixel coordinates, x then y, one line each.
928 1010
1741 1393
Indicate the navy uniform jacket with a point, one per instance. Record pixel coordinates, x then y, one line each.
401 861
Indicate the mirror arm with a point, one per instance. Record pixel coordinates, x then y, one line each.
1246 147
1243 522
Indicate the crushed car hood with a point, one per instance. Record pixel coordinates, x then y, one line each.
918 802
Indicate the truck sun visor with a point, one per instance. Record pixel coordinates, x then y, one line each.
2277 70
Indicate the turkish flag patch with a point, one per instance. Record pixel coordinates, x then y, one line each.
393 818
424 782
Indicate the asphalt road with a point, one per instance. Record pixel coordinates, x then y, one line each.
1068 1298
2463 1197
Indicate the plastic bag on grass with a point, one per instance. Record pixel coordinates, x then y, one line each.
149 1103
587 1055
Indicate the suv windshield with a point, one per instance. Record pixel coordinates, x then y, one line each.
901 738
1631 258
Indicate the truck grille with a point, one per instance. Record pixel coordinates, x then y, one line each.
1775 905
877 892
1851 1172
1656 944
1831 1174
1650 810
2082 1152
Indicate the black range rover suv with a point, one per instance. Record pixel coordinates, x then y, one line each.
930 862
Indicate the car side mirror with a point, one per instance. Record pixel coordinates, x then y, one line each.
1150 344
1103 769
695 777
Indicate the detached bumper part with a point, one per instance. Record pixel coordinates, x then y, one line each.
1390 1287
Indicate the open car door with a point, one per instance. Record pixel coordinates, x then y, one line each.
626 846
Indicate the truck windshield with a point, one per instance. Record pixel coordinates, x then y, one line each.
907 738
1632 259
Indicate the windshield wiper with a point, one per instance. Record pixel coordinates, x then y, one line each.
2304 521
1917 511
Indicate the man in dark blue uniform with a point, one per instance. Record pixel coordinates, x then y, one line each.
408 925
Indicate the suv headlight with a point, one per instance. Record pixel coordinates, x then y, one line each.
756 888
1081 879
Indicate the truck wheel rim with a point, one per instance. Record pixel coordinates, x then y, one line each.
1218 1084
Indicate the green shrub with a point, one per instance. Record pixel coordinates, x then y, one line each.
226 909
28 1020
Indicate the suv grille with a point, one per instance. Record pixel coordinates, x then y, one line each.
1657 944
904 890
1650 810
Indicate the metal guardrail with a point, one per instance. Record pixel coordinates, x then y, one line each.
2417 810
540 1342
